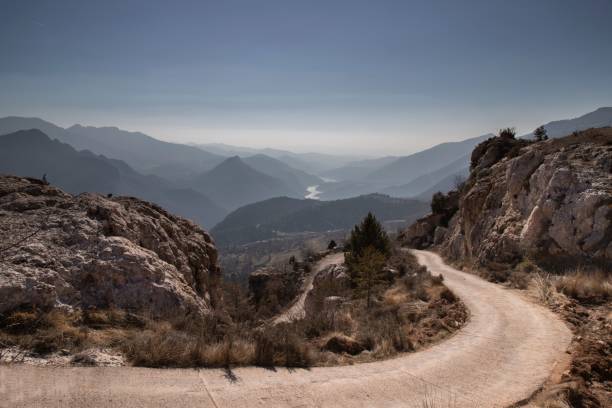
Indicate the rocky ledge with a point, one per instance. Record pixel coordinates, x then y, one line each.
91 251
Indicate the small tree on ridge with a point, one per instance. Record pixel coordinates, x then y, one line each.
508 133
540 134
369 233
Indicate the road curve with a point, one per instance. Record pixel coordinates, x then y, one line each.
504 352
297 311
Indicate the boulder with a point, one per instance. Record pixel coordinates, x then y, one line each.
336 274
420 235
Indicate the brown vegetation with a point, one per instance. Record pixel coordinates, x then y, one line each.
587 286
42 332
408 311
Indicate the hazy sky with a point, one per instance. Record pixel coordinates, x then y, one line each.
343 76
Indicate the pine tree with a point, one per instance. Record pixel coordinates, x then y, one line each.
369 233
540 134
368 272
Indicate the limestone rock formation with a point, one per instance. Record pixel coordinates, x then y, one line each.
59 250
545 200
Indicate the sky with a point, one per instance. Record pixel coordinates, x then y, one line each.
369 77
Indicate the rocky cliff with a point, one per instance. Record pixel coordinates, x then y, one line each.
90 251
549 200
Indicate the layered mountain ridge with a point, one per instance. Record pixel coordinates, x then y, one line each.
32 153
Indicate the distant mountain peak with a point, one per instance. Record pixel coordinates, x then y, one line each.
232 162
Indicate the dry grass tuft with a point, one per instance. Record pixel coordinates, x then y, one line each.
43 332
164 346
560 402
586 285
544 287
395 296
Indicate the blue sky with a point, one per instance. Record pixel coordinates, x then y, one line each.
378 77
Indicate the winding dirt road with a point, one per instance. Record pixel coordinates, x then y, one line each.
296 311
501 356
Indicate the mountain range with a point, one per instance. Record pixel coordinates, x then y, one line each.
32 153
187 168
407 176
142 152
207 184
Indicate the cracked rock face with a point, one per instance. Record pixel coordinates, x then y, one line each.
551 198
58 250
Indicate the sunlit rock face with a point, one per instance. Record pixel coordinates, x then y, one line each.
59 250
543 200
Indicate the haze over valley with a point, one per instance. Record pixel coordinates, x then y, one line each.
207 182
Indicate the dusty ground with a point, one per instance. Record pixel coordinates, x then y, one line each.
501 356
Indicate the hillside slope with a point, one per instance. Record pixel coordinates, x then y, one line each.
408 168
298 180
278 216
236 184
357 170
437 179
599 118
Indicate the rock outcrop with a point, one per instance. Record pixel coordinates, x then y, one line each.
274 287
545 200
90 251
